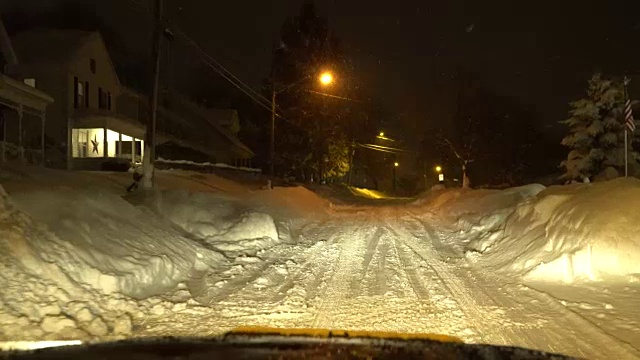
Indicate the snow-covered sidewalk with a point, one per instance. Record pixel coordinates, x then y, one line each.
204 255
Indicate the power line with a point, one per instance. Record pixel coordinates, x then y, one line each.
216 66
332 96
376 149
220 69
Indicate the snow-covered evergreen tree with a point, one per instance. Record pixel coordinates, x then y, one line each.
596 133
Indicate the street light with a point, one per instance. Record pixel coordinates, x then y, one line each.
381 134
440 174
395 165
325 78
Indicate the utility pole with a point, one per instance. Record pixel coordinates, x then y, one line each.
624 121
353 152
272 145
150 134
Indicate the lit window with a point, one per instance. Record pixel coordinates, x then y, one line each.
87 143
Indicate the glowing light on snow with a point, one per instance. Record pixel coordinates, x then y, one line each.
33 345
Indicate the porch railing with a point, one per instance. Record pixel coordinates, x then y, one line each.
11 151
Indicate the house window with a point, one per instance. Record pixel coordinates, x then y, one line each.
78 91
103 99
92 65
87 143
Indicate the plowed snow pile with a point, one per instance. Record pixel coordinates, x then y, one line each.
219 221
81 263
582 231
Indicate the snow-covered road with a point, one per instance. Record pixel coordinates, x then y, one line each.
552 269
382 269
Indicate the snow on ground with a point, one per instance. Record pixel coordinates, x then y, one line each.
561 233
208 164
78 250
203 255
218 220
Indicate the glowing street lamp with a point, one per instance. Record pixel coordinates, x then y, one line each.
396 164
326 78
438 169
381 134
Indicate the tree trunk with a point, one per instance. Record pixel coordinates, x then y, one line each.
466 183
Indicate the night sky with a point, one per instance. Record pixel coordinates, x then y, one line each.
540 52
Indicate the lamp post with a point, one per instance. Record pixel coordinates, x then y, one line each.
325 78
438 169
395 165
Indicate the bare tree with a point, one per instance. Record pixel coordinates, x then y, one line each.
463 153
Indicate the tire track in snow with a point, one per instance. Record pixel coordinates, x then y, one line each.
449 281
623 350
273 257
410 270
311 259
488 290
381 284
371 251
340 284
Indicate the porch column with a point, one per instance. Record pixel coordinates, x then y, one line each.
4 138
43 147
133 150
119 150
20 147
69 143
105 145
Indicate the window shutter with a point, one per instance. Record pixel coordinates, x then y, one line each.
86 94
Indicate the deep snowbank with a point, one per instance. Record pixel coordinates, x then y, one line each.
289 202
587 231
114 246
48 292
79 263
475 215
220 221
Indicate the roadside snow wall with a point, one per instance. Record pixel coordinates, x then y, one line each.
220 221
112 245
562 233
51 290
589 231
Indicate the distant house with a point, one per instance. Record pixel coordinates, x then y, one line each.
96 118
188 131
22 110
83 126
